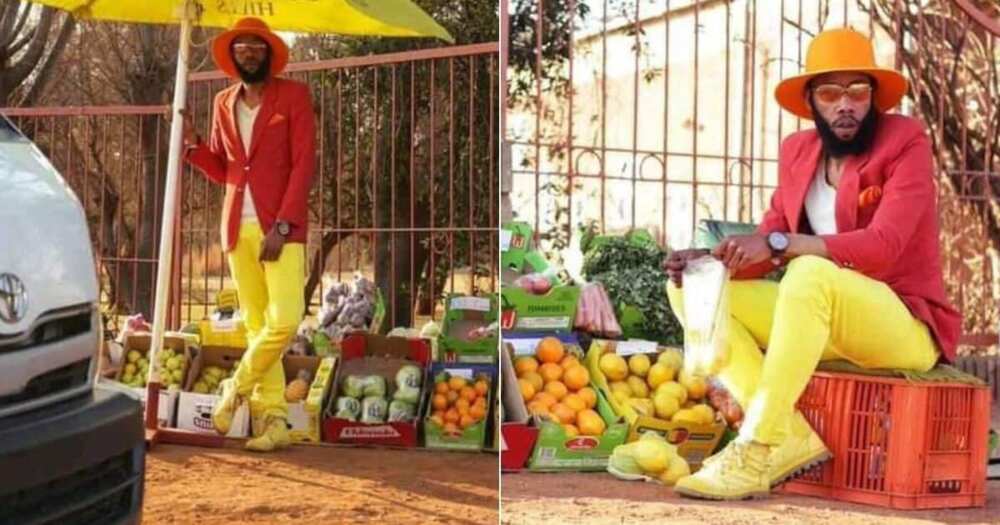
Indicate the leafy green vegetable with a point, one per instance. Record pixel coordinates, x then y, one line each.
630 268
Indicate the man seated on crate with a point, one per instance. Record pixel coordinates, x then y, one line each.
855 219
262 149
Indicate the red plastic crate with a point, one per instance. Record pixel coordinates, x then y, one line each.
897 444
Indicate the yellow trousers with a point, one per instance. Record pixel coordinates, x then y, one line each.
272 305
819 311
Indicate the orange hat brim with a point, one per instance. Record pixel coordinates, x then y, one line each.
224 58
791 92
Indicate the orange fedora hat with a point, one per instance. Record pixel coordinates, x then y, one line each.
249 26
839 50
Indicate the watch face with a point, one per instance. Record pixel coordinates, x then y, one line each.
778 241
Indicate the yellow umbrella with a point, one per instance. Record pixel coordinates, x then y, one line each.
398 18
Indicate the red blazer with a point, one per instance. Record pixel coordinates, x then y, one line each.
886 214
279 166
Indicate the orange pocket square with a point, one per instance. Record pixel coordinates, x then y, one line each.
869 196
278 118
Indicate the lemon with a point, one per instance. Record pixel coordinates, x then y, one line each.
638 387
613 366
639 364
674 389
665 404
659 374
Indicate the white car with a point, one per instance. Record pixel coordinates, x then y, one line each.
70 451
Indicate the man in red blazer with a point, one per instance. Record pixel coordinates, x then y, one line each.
855 219
262 149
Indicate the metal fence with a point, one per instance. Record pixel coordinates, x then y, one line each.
657 114
405 190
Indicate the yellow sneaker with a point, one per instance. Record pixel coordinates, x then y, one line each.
274 437
801 450
740 471
225 409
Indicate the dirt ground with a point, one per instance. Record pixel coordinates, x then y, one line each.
311 484
553 498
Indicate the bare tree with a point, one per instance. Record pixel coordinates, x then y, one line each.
28 51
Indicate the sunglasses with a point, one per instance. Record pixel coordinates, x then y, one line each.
246 48
831 93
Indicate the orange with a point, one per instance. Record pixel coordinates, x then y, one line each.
550 350
452 396
452 416
457 383
550 372
468 393
440 401
523 365
569 361
545 398
563 413
466 422
463 406
478 412
451 428
589 396
535 379
482 387
537 408
576 377
527 389
442 387
590 423
575 402
571 431
557 390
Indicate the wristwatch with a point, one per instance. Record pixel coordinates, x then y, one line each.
778 242
283 228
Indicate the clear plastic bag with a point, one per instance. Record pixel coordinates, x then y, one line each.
706 315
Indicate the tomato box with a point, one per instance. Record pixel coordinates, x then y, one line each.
473 436
695 440
364 354
515 243
524 311
304 417
465 335
194 409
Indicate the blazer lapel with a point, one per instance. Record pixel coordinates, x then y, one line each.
233 130
847 193
802 176
264 115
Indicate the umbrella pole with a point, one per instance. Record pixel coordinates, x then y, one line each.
155 434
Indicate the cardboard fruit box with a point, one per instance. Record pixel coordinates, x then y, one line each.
141 342
524 311
554 451
463 315
194 410
472 437
694 441
515 243
371 354
518 433
305 417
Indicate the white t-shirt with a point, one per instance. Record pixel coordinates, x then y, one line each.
245 118
821 204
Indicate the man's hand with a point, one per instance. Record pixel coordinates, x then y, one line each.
677 261
739 251
270 247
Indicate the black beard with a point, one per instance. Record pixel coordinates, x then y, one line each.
255 77
834 146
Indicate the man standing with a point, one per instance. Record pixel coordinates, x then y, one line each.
855 218
262 148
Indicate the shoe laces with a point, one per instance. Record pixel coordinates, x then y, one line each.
741 456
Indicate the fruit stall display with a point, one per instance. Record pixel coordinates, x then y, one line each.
460 400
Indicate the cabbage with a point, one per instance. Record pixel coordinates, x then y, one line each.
373 410
622 463
354 386
408 381
374 386
348 408
402 411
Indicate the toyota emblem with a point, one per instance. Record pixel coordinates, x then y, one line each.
13 298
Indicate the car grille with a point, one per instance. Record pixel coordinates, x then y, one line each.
50 383
52 327
101 493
